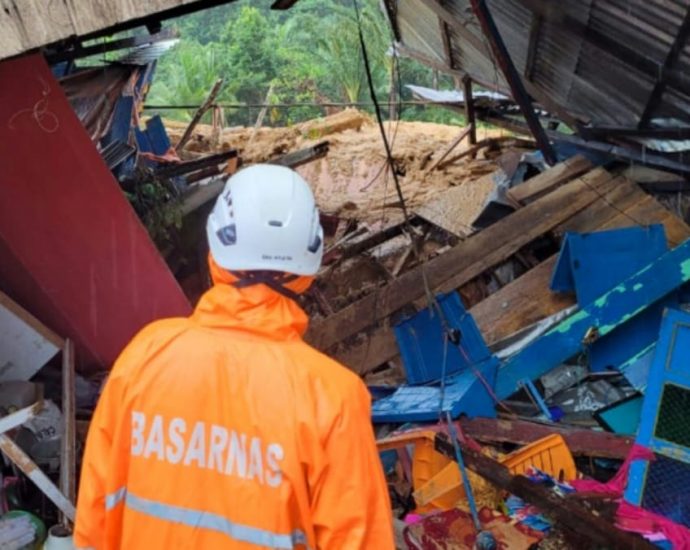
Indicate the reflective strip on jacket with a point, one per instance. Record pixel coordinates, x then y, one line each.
226 430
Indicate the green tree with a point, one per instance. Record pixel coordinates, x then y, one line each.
249 55
185 77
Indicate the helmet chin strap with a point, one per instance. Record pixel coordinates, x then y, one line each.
272 279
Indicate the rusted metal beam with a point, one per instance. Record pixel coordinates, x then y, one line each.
569 514
671 58
517 87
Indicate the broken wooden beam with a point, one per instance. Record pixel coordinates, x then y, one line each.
180 168
581 442
500 52
452 145
18 457
464 261
469 109
568 513
548 180
201 111
303 156
488 142
68 443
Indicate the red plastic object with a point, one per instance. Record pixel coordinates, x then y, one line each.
72 250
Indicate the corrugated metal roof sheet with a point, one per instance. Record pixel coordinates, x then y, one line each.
601 65
143 55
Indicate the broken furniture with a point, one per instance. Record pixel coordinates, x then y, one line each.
441 344
661 485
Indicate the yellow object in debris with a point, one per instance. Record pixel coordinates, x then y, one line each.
438 485
435 478
550 454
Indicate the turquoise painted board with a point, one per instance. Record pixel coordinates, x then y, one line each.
604 314
662 484
593 263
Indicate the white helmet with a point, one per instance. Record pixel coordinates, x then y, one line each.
266 219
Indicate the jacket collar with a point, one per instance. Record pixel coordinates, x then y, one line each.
256 309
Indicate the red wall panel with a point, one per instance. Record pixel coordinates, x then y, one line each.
72 250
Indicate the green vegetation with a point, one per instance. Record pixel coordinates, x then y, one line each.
308 54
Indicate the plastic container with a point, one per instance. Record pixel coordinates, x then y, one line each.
550 454
59 538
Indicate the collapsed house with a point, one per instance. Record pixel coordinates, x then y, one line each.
519 318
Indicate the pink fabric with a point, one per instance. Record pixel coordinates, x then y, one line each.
633 518
616 485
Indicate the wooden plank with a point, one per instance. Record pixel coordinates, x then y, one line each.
464 261
372 351
445 37
520 303
14 452
452 145
469 109
68 443
303 156
548 180
606 313
528 295
567 513
527 299
581 442
200 112
456 208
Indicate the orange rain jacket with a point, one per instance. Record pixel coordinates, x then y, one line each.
226 430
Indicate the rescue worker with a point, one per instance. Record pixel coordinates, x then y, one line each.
225 429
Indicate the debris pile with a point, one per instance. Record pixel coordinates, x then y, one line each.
549 357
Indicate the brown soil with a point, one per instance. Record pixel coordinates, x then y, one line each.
352 179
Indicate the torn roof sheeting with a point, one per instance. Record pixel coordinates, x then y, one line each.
29 24
607 62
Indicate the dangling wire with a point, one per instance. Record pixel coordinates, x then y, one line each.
379 117
450 334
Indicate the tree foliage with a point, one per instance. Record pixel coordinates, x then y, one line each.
308 54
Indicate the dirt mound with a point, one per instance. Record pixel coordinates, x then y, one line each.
352 179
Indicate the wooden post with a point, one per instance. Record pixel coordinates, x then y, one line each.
68 445
201 111
469 109
567 513
517 87
14 452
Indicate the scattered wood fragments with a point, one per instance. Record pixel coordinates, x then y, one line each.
565 199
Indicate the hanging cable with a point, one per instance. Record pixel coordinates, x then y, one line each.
379 117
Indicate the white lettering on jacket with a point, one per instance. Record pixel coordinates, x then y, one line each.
200 446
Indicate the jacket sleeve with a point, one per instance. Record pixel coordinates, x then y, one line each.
350 503
90 528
